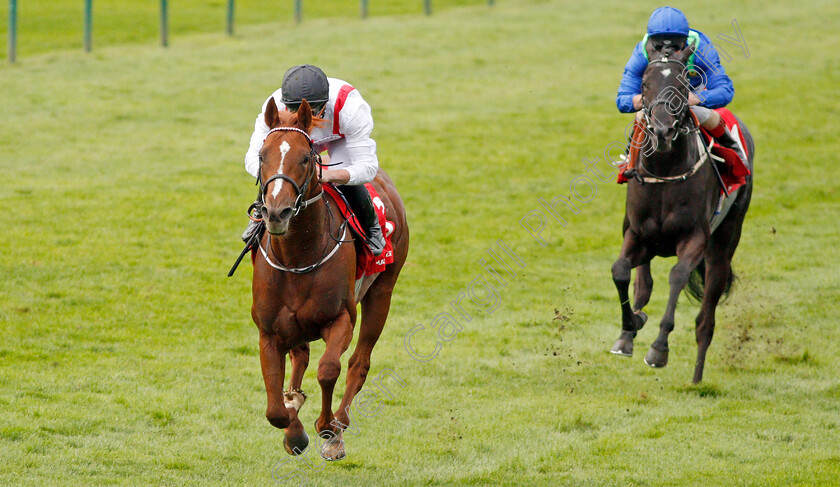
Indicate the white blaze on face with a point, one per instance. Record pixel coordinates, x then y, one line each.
666 72
278 185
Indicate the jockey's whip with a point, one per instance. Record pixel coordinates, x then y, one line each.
248 246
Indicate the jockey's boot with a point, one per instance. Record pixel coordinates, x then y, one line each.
726 139
255 226
360 202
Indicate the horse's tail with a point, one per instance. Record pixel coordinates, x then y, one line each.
696 284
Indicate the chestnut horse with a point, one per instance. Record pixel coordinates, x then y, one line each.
673 218
304 281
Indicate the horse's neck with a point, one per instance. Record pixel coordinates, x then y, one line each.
676 161
307 237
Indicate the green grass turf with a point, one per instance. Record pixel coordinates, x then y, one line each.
127 358
46 26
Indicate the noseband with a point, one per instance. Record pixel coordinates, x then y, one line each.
300 191
647 109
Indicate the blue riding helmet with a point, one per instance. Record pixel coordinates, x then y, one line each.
667 20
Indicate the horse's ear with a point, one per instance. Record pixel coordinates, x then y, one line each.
305 116
648 47
686 53
272 117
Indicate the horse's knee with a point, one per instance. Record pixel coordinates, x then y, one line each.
621 271
329 371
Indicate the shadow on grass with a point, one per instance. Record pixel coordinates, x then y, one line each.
804 358
702 390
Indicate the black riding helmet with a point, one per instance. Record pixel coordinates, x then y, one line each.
305 82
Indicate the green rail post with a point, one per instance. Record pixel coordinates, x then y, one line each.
12 29
427 6
490 2
230 18
88 25
164 24
298 10
364 9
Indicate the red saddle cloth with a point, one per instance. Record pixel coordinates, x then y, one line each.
734 171
366 263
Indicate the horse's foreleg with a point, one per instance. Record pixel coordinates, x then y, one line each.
296 440
717 275
337 337
273 363
375 307
633 253
689 254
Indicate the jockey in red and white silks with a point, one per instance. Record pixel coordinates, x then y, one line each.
345 136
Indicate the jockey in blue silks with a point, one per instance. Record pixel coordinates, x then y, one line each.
668 32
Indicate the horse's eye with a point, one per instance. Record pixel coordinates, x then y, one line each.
307 159
261 159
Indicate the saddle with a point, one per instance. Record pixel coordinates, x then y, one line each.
366 263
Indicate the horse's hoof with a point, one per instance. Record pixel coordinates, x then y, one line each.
624 345
333 448
643 317
296 445
657 358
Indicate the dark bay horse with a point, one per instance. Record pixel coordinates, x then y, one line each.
668 212
304 282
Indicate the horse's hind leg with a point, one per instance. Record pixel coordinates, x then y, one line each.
295 439
689 253
300 361
642 289
633 253
375 307
718 276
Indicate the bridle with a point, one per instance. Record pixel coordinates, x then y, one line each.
300 203
678 124
300 191
681 128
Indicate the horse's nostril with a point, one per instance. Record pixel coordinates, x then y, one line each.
665 133
275 216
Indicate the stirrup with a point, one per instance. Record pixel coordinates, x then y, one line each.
255 225
376 241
